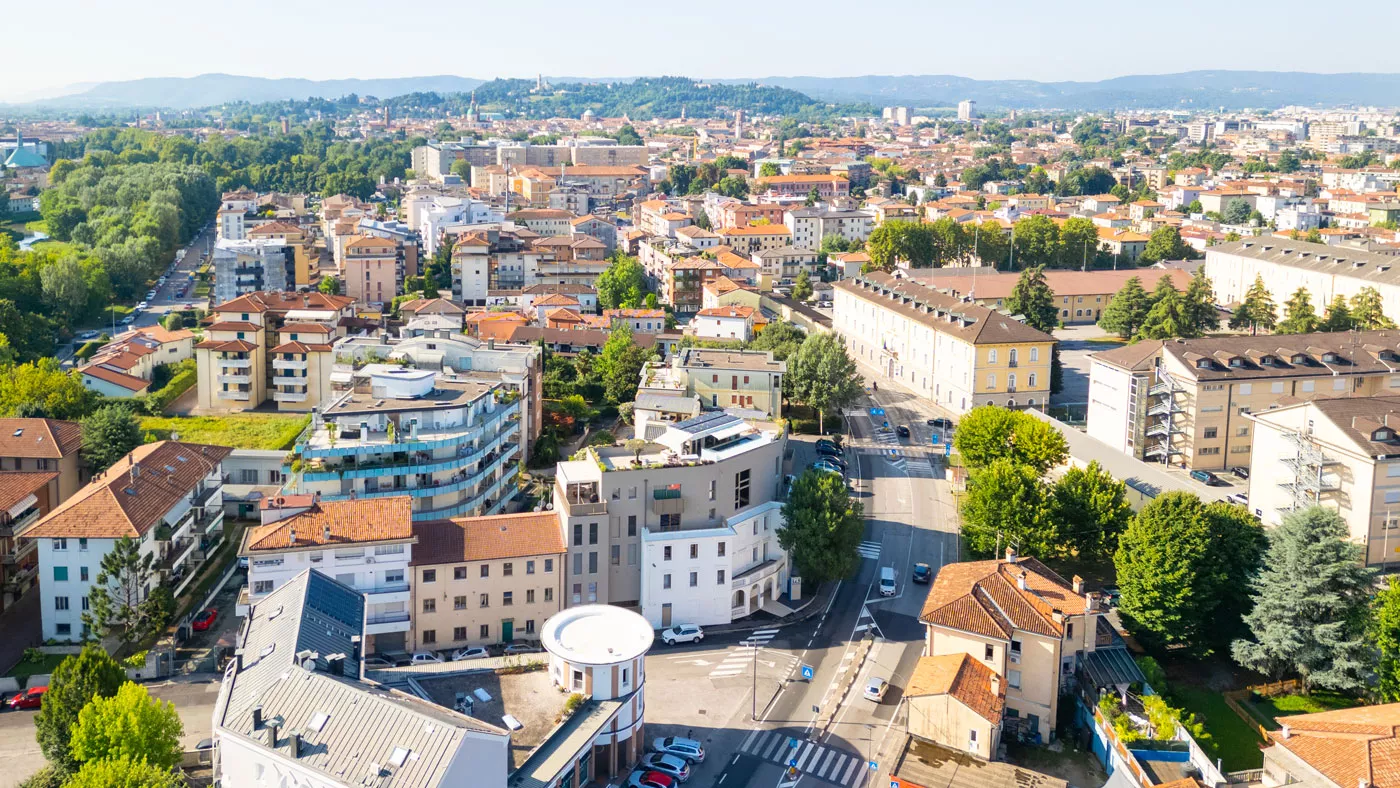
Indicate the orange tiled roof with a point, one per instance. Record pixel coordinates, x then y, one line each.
1358 746
744 312
488 538
272 302
964 678
984 597
15 486
39 438
128 382
327 523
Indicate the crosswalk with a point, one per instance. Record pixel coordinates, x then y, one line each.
869 550
739 660
831 764
919 467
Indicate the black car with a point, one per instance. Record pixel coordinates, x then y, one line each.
922 574
834 460
829 450
902 431
1240 472
941 423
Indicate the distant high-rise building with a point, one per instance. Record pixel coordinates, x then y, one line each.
898 115
967 109
738 124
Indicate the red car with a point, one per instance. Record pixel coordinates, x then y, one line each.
31 698
204 620
646 779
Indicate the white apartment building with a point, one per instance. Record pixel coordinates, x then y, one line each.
811 226
366 544
243 267
1286 265
167 496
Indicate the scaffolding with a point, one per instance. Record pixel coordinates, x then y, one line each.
1308 467
1162 421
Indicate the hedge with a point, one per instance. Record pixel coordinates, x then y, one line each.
157 402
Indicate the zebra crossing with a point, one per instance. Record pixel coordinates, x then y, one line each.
831 764
739 660
920 467
869 550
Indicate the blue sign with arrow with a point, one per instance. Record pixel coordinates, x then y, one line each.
807 672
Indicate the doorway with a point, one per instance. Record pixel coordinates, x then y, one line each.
507 630
666 615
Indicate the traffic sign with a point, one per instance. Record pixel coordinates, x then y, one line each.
807 672
874 766
792 743
947 449
792 762
877 411
894 783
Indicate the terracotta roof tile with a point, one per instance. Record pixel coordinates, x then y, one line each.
488 538
349 522
15 486
964 678
984 597
1358 746
39 438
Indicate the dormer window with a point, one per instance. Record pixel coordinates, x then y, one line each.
1204 363
1267 361
1236 361
1299 358
1330 358
1383 434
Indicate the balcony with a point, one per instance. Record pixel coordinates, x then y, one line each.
289 363
456 484
384 623
407 464
20 523
234 379
289 396
241 396
379 442
282 380
385 593
235 363
581 500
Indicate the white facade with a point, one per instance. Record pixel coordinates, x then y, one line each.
1324 271
379 571
1110 416
738 328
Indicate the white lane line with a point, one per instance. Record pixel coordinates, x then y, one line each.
748 739
766 632
818 767
771 751
837 764
806 752
846 779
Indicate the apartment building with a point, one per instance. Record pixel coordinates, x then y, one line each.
451 444
747 379
782 265
167 496
800 186
434 159
246 266
25 497
684 530
811 226
270 346
1080 295
1342 748
366 544
1342 454
748 240
544 221
736 323
1022 621
43 445
370 273
484 580
650 321
1324 271
293 237
125 366
954 352
1185 402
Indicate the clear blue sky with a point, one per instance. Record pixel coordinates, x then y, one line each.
82 41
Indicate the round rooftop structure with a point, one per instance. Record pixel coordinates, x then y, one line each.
596 635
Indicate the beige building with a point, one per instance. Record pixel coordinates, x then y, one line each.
747 379
1022 622
1342 454
956 353
1184 402
1324 271
957 700
369 271
1344 748
483 580
292 236
1080 295
748 240
45 445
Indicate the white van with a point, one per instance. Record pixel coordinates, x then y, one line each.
887 581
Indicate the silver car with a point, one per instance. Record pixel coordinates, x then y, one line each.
667 764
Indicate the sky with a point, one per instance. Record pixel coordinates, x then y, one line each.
1011 39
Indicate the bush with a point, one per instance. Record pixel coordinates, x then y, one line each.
602 438
47 777
85 352
179 383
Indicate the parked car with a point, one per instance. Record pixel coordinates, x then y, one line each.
902 431
649 779
669 765
875 689
1240 472
829 449
682 633
86 335
1112 595
922 573
377 662
1239 498
426 657
475 652
681 747
521 648
837 461
941 423
204 620
188 307
142 307
31 698
128 320
829 467
1204 477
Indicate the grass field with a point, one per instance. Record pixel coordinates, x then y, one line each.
241 431
1232 739
25 669
1270 709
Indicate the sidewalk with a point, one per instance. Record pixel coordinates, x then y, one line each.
803 610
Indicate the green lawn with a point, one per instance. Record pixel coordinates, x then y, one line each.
1270 709
241 431
1232 739
24 670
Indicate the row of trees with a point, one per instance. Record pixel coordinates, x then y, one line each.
1165 313
1363 312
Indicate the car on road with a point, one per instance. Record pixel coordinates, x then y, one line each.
648 779
1239 498
682 633
204 620
668 765
31 698
828 467
426 657
922 573
86 335
464 654
887 585
875 689
902 431
143 306
681 747
940 423
150 295
1205 477
128 320
188 307
521 648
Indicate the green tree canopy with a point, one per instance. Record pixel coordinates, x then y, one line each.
43 388
1007 504
1338 316
1165 244
1167 318
822 376
1090 509
620 365
124 773
130 725
1032 298
1236 211
108 434
1299 317
782 338
802 288
1366 311
76 681
1259 307
1127 310
329 285
822 527
990 432
623 284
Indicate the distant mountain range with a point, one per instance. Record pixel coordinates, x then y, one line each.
1194 90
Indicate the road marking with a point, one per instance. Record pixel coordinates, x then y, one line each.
806 752
736 759
819 766
846 779
721 778
776 748
869 550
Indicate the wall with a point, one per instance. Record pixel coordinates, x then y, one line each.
546 582
941 719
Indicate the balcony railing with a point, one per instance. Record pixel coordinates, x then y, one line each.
387 618
384 588
235 363
234 379
288 363
286 380
289 396
242 396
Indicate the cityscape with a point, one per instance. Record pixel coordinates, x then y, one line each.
541 431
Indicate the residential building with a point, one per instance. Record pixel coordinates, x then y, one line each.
686 529
245 266
748 240
811 226
781 265
449 443
366 544
125 366
370 271
293 237
747 379
544 221
726 322
793 187
1184 402
1343 748
957 700
1080 295
484 580
1017 618
650 321
25 497
434 159
292 708
45 445
1324 271
956 353
967 110
165 495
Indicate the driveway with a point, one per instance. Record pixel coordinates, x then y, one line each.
1077 344
22 627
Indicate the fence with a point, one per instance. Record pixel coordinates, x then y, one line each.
1276 688
1232 699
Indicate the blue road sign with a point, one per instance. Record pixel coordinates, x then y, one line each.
894 783
792 762
877 412
947 449
807 671
792 743
874 766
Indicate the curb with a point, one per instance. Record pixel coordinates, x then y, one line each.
806 611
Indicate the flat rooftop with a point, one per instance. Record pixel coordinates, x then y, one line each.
445 394
530 697
753 360
934 766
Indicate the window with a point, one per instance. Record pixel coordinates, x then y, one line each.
1241 432
1276 388
578 534
1013 678
429 605
529 596
549 595
1339 384
529 626
741 489
1308 385
1035 354
459 633
429 575
86 604
1015 651
529 567
670 522
262 586
60 573
713 484
632 495
592 592
429 636
548 565
1246 389
60 544
665 583
1069 630
1210 432
485 632
508 569
82 573
632 524
593 563
459 573
578 563
63 629
507 598
615 554
459 602
388 549
666 553
719 577
82 544
1212 450
989 652
485 600
393 576
694 579
61 602
632 554
991 382
694 551
485 570
992 356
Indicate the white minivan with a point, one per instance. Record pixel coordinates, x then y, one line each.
887 581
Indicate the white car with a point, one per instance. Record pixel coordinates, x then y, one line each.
141 307
128 320
875 689
425 657
682 633
476 652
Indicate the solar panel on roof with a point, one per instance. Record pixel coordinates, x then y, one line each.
341 604
705 421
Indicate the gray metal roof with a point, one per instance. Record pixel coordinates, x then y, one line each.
706 422
1112 666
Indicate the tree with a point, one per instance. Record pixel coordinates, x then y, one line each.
621 282
1366 311
1167 317
1259 307
813 197
990 432
462 169
1310 604
802 288
898 240
124 773
1089 508
822 376
627 135
620 365
65 286
119 603
1032 298
1079 242
1037 241
1195 207
783 339
1165 244
1127 310
1338 316
1384 632
822 527
1298 314
329 285
1008 504
75 682
108 435
129 725
1179 565
768 169
43 389
1236 211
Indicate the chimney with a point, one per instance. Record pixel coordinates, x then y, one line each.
1089 603
1010 555
1078 583
294 744
326 534
292 536
1021 580
1287 732
996 684
257 717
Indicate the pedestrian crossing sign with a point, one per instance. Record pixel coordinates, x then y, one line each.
807 672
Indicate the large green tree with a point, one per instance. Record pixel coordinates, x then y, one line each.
125 773
1236 211
822 527
898 241
623 285
1338 316
1007 504
108 434
990 432
1258 306
822 376
129 725
1165 244
1384 633
1198 305
1167 317
1037 241
1310 605
1032 298
1079 242
782 338
1127 310
1299 317
122 602
1090 510
619 366
75 682
1367 312
43 388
